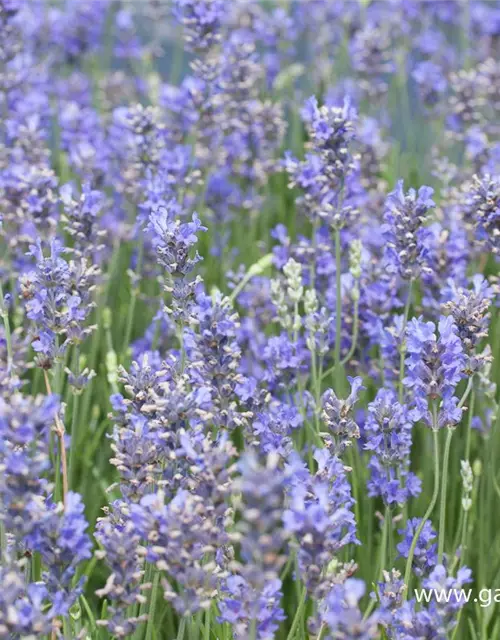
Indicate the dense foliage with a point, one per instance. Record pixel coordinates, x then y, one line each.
250 327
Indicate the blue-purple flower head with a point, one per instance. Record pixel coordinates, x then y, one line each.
23 608
81 217
25 425
338 417
174 238
202 21
341 614
404 230
61 538
431 82
57 297
425 553
331 130
388 435
435 364
483 211
469 309
262 488
241 605
183 537
120 547
319 516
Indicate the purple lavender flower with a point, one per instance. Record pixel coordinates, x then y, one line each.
371 49
388 434
319 516
337 416
324 174
173 240
440 617
484 211
431 82
202 23
25 425
60 537
465 104
447 260
81 219
425 554
404 230
121 550
469 309
241 603
78 28
262 537
214 357
23 610
148 426
435 366
390 593
341 615
183 536
252 593
57 296
273 425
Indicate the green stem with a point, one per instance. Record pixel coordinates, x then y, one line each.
256 269
444 482
338 298
469 425
74 419
6 323
206 631
355 331
182 628
253 629
133 299
467 391
409 562
403 342
463 546
383 556
385 535
298 615
152 607
463 543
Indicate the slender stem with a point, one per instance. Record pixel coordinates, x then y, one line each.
469 425
403 341
338 298
256 269
6 323
383 556
133 299
74 438
60 431
206 631
442 508
428 513
463 547
298 615
253 629
467 391
383 546
74 417
182 628
355 331
152 607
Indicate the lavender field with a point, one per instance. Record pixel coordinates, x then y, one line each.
250 324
